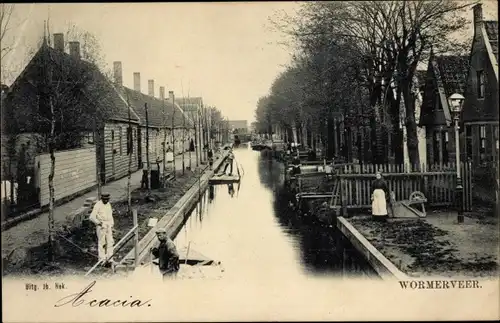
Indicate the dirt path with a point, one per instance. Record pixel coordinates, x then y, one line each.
436 245
34 232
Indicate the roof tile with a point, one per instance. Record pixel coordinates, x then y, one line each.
453 72
491 27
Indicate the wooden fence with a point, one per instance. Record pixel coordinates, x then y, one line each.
438 183
75 171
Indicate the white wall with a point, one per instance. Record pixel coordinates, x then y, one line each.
75 171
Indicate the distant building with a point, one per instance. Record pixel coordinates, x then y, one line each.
239 126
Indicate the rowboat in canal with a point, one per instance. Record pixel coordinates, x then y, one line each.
193 265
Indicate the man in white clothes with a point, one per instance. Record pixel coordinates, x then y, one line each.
102 217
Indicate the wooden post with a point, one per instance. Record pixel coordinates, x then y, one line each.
335 138
183 135
136 238
440 138
172 97
147 149
343 196
164 138
130 145
97 143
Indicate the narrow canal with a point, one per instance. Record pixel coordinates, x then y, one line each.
253 233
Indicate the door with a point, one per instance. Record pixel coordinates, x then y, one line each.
113 152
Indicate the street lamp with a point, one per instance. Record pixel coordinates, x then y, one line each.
456 102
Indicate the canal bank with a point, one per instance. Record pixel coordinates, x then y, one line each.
173 219
250 228
76 246
407 245
432 247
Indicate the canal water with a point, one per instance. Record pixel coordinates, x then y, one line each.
252 232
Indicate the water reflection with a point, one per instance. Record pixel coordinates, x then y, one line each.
254 232
211 193
270 172
230 189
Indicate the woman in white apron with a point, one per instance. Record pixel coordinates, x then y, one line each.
380 192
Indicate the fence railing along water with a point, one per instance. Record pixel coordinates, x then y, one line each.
437 182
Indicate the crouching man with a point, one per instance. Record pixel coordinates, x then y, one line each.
102 217
166 252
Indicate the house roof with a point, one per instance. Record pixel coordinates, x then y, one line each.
453 73
69 73
491 27
159 111
189 100
449 75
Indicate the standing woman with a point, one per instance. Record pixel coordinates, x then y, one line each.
380 192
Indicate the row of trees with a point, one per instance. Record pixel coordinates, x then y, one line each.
358 60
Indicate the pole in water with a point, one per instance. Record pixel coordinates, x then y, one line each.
136 238
187 253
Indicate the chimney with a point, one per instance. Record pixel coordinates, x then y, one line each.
137 81
162 93
151 88
478 16
74 49
117 71
171 96
59 42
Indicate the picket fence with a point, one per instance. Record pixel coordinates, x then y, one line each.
436 182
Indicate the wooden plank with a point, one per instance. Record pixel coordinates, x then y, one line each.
357 187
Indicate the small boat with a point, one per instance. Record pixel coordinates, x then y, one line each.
224 179
257 146
193 265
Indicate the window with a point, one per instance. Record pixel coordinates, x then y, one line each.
483 136
482 143
121 140
130 140
480 84
445 146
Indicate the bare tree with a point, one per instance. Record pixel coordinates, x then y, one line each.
130 152
6 11
388 40
61 104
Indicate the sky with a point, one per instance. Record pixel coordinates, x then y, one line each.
224 52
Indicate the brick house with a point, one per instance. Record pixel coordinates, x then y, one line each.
445 76
480 111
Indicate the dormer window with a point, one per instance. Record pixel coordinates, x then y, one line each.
480 84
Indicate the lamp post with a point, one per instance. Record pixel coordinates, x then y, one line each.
456 101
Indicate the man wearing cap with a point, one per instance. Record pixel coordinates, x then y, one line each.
102 217
166 252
